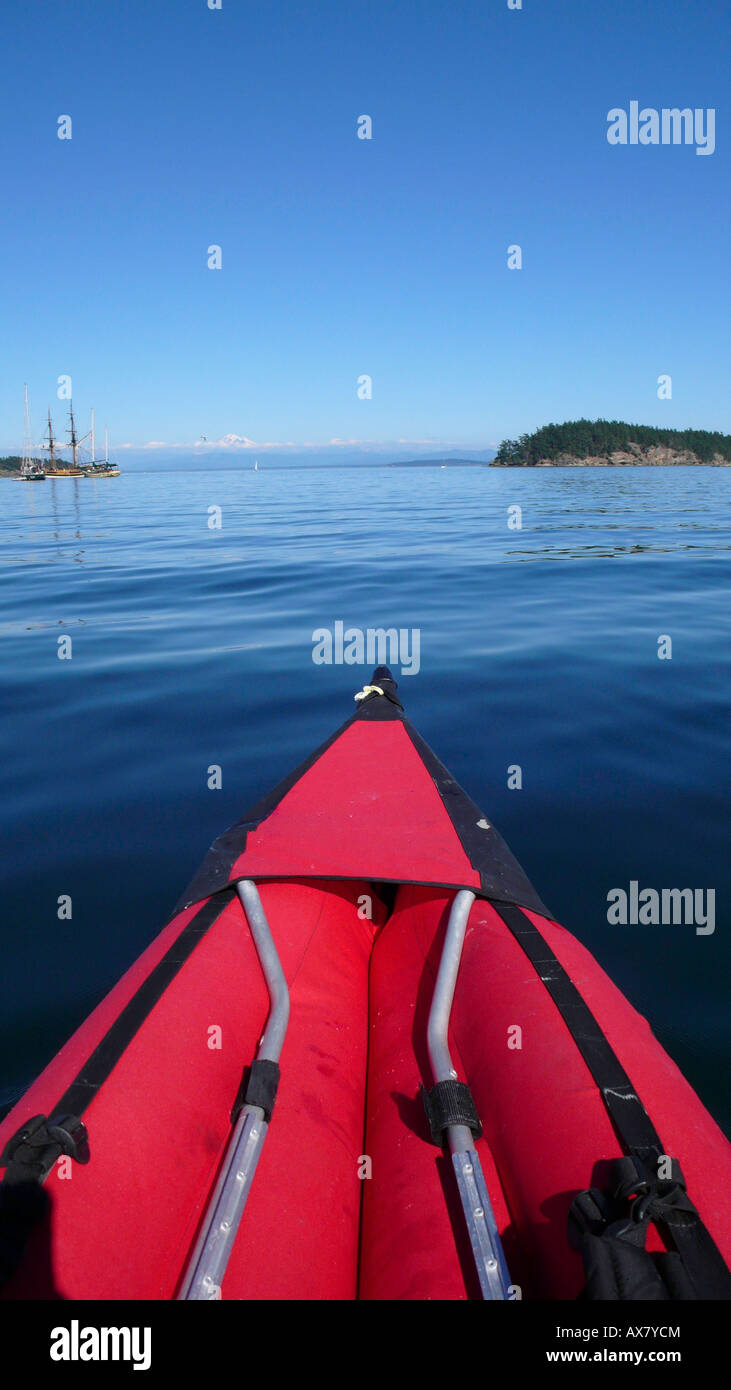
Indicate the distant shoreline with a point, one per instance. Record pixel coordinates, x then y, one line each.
131 471
435 463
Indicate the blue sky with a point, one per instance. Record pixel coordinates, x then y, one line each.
344 256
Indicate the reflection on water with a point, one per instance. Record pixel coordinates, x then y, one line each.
567 514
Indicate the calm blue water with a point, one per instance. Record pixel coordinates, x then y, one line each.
193 646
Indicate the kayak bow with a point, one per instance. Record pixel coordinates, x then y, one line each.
367 930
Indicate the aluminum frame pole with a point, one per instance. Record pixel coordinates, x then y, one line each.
207 1266
492 1270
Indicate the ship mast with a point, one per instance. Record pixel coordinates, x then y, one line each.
51 444
71 431
93 460
26 466
106 444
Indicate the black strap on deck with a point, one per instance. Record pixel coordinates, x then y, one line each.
31 1152
647 1196
628 1114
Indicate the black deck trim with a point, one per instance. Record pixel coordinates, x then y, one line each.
108 1052
702 1260
626 1111
215 872
501 876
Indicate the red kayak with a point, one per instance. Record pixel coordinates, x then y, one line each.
362 1061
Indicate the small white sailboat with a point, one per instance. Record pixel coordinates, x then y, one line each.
111 470
31 471
101 468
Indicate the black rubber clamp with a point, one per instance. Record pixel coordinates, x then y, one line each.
258 1087
450 1103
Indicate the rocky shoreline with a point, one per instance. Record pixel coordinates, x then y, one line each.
656 456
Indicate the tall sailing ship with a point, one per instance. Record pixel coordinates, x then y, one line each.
61 468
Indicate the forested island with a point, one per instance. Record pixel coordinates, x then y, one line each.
602 443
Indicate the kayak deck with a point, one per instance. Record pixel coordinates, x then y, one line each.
320 1223
357 858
